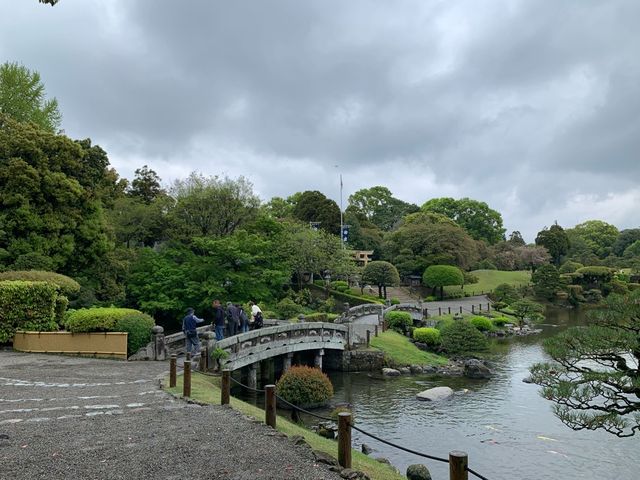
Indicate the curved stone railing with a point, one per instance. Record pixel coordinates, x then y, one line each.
358 311
268 342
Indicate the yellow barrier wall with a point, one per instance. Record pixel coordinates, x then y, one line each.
107 344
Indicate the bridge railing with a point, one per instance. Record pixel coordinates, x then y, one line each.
263 343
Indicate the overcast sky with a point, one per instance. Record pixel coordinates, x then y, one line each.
531 106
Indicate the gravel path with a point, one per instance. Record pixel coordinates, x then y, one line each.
63 417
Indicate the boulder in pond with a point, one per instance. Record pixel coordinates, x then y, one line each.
390 372
418 472
435 394
476 369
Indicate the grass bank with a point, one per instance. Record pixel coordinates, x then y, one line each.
400 351
206 389
490 279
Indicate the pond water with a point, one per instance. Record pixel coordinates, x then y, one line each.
506 428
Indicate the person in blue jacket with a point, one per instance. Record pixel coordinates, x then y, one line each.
189 325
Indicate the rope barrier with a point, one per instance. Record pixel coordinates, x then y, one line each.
257 390
408 450
481 477
364 432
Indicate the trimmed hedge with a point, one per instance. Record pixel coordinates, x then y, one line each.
287 308
27 306
138 326
68 286
428 335
398 321
461 337
501 321
98 319
305 387
483 324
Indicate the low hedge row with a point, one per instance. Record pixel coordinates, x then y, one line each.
68 286
398 321
137 324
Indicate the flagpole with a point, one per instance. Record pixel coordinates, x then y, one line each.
341 224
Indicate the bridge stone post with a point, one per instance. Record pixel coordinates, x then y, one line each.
317 361
159 346
252 379
287 362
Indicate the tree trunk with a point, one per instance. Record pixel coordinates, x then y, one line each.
441 293
385 292
379 291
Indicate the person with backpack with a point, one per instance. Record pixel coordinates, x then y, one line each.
256 316
218 320
244 321
233 319
189 328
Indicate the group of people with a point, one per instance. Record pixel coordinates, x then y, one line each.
233 317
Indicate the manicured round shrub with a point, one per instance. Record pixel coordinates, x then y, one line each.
398 321
444 322
305 387
501 321
68 286
138 326
428 335
340 285
97 319
27 306
483 324
287 308
395 301
461 337
570 266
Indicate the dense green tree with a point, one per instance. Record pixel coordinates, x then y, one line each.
432 239
51 203
594 379
363 235
632 250
279 208
314 206
440 276
527 310
378 206
22 97
555 240
626 238
599 236
462 338
211 206
546 281
136 223
146 185
480 221
516 239
505 293
380 273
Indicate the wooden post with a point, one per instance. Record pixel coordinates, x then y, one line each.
458 466
172 370
460 308
201 363
226 387
480 306
488 307
368 337
449 310
439 311
186 378
473 308
344 439
270 405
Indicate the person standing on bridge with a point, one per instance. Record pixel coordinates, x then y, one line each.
244 321
256 316
233 319
189 327
218 320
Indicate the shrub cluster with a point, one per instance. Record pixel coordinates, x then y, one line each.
398 321
501 321
461 337
27 306
137 324
340 286
305 387
483 324
430 336
287 308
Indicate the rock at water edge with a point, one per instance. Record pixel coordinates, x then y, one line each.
390 372
476 369
435 394
418 472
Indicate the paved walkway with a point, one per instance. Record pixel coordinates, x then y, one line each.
63 417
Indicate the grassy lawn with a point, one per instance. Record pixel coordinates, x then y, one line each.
402 352
206 389
490 279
